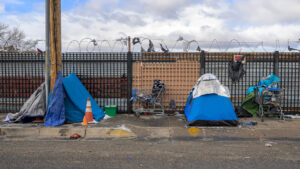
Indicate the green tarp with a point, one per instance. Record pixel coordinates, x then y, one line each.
249 104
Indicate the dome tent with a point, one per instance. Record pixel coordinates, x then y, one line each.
209 104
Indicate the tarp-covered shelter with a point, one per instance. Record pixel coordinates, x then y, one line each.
70 98
76 98
67 103
34 107
209 104
56 109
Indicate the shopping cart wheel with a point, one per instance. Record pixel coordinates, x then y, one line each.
261 113
281 114
137 114
281 117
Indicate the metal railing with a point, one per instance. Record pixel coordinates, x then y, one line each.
110 77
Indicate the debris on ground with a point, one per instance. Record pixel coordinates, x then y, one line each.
75 136
156 117
291 116
38 120
106 117
177 114
270 144
252 123
123 127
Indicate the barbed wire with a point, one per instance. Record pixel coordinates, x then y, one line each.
94 45
88 44
180 45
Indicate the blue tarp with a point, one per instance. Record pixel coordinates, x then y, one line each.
265 83
56 110
76 98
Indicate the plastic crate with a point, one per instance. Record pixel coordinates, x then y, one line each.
111 110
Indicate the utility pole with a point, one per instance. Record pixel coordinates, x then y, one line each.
55 39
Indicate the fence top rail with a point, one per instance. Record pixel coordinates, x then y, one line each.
209 56
171 54
216 53
154 53
225 56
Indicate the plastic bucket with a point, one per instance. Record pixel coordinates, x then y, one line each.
111 110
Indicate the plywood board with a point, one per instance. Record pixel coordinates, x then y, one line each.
179 76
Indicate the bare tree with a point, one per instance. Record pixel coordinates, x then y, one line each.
13 40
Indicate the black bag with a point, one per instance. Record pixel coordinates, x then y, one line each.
157 87
236 69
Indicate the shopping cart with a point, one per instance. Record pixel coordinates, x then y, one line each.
269 101
148 101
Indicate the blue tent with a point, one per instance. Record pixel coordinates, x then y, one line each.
76 98
209 104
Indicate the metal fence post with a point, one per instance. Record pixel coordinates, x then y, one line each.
298 107
276 63
129 81
202 62
47 53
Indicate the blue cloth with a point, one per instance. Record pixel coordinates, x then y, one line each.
56 109
252 88
209 107
133 93
270 80
264 83
76 98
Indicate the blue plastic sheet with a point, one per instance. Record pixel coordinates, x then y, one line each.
76 98
56 109
265 83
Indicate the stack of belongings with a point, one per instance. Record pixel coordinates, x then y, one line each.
158 86
249 105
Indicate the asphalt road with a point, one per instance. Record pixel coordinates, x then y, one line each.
156 154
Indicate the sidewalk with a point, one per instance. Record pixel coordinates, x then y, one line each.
155 127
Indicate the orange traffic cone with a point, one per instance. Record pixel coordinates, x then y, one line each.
84 123
88 112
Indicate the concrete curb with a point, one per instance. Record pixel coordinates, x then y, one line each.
65 133
149 133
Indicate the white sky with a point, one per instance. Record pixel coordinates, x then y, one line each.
272 21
